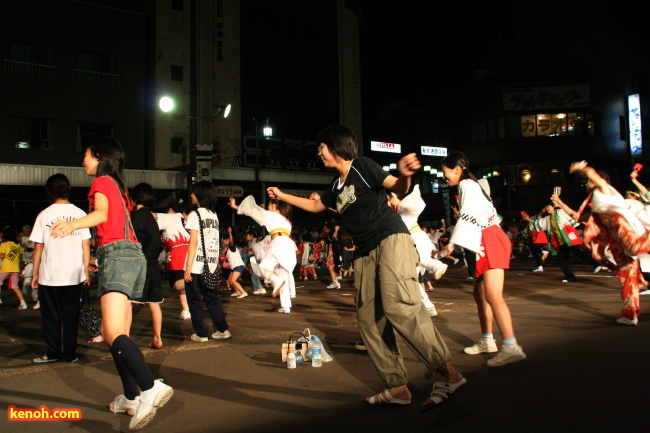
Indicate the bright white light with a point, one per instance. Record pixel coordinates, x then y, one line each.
268 131
386 168
166 104
227 111
427 168
393 166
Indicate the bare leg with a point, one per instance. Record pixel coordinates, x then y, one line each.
156 321
233 280
179 286
484 310
493 293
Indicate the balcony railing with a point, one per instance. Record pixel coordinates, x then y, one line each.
30 69
99 78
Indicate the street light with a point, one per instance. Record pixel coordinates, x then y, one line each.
267 131
167 105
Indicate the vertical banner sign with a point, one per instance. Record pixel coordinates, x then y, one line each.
634 116
204 162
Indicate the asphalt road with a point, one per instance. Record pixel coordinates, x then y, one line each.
584 372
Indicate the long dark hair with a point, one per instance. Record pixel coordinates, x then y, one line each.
459 159
110 154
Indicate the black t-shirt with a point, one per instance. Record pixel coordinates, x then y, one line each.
148 234
361 201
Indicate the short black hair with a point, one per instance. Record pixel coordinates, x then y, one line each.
10 234
57 186
340 141
143 194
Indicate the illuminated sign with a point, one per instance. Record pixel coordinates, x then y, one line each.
230 191
433 151
380 146
634 115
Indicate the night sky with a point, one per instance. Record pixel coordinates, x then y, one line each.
414 55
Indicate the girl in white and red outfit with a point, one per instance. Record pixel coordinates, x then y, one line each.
622 224
279 261
478 230
119 280
175 242
410 209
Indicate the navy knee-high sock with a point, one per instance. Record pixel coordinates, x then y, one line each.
128 382
127 354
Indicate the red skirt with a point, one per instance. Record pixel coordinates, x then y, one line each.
494 252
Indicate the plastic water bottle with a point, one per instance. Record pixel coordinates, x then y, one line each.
291 359
317 351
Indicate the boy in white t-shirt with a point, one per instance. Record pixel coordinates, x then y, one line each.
60 270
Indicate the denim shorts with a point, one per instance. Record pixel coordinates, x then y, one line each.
122 268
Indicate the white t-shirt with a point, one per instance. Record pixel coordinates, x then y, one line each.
211 236
62 259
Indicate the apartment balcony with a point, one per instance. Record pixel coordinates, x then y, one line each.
13 67
99 78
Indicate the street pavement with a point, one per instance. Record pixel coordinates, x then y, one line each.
584 372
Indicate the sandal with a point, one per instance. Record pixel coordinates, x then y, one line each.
43 359
153 346
442 390
386 398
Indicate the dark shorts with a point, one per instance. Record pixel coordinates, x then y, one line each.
239 269
173 276
122 268
152 291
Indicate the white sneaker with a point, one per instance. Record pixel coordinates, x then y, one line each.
122 404
334 285
625 321
198 339
242 295
259 292
440 271
482 346
315 277
597 269
539 269
284 310
432 311
506 356
150 400
222 335
305 278
185 315
22 306
37 305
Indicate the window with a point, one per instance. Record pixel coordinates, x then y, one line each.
176 144
557 124
30 59
89 131
95 62
29 133
96 68
31 53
